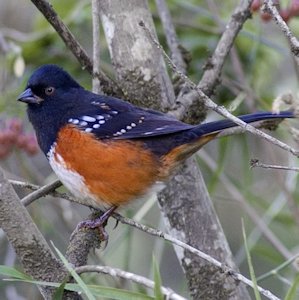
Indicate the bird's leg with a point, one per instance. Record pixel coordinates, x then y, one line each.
99 223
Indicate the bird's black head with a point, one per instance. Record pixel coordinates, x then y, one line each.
51 94
45 83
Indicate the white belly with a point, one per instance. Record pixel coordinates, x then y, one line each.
73 181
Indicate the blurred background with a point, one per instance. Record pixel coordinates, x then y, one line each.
259 68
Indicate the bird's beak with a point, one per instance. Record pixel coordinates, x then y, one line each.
29 97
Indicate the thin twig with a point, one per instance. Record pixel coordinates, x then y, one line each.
171 37
255 163
219 109
108 85
271 9
96 83
41 192
33 187
118 273
215 64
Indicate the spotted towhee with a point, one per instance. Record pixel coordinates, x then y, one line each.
106 151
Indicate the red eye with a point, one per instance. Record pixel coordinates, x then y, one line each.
49 90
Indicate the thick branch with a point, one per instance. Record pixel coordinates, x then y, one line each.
30 246
139 67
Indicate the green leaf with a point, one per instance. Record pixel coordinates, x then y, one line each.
59 291
117 294
12 272
75 275
292 292
251 269
96 290
157 280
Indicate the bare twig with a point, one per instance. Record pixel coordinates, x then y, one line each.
171 37
219 109
271 9
108 85
118 273
214 65
255 163
96 84
33 187
41 192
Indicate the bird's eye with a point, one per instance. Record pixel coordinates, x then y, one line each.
49 90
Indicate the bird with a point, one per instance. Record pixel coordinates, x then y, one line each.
106 151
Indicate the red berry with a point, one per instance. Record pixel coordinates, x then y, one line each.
31 147
265 17
21 141
285 14
15 125
4 151
255 6
294 8
8 137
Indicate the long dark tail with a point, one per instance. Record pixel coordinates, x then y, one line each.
216 126
193 139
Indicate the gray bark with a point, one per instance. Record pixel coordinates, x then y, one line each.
31 248
138 64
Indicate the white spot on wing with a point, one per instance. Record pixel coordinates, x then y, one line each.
83 123
88 130
96 126
88 119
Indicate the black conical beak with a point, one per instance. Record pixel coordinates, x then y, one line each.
28 97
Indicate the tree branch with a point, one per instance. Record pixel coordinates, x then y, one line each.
31 248
108 85
118 273
171 37
270 8
41 192
96 83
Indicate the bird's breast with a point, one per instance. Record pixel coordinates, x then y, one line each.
103 172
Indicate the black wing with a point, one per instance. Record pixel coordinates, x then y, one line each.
108 117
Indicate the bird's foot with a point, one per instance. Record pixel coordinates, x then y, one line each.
98 223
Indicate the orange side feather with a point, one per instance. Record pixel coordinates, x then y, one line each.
115 171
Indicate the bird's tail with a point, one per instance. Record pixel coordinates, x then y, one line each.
217 126
198 136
